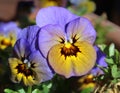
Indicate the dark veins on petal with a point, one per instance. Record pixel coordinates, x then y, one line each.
22 69
72 51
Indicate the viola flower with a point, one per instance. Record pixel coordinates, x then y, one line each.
8 34
4 42
28 65
70 51
86 81
99 61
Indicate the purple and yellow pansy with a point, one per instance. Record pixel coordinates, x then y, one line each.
28 65
66 40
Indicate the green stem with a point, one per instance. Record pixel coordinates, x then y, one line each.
29 89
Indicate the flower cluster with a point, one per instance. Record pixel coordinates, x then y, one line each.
61 43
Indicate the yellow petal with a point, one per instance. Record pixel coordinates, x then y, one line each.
32 80
19 77
13 63
57 61
89 85
2 37
72 65
49 3
29 81
5 42
85 59
3 47
25 81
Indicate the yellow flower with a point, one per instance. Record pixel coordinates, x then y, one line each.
89 5
86 82
50 3
6 41
47 3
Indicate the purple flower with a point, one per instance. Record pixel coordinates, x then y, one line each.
28 65
67 41
100 61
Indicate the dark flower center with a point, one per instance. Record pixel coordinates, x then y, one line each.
23 68
6 42
70 50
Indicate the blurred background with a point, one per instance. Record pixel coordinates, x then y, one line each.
23 12
12 9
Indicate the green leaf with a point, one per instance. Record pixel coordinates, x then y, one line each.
114 81
21 90
10 91
109 60
36 91
117 56
45 89
87 90
105 70
111 50
102 47
118 74
114 71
